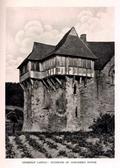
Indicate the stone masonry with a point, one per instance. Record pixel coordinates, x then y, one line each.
64 110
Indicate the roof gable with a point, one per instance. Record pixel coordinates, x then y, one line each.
40 50
72 45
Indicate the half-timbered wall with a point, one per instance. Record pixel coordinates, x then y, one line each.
24 69
60 61
58 65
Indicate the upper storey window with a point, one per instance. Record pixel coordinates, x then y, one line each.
78 62
60 61
35 66
48 64
24 69
87 64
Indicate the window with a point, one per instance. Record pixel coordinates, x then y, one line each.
76 112
79 62
58 61
88 64
70 61
23 69
35 66
62 61
74 89
85 81
84 63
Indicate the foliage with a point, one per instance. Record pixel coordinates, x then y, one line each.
9 149
62 153
37 146
26 153
14 94
103 124
70 145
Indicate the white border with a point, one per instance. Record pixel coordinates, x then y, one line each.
59 3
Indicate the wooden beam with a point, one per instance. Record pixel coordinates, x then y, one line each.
52 81
58 81
31 80
52 86
22 85
44 83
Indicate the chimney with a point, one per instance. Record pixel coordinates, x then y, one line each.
83 37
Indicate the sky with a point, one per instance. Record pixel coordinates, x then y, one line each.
25 25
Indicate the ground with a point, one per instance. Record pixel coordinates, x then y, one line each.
60 145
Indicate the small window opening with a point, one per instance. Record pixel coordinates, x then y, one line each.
76 113
35 66
111 74
75 88
85 81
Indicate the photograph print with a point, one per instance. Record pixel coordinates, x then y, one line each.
59 82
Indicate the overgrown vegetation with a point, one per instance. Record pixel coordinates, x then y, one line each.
9 149
103 124
64 144
14 94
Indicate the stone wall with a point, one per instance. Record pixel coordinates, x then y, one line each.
65 110
57 116
106 89
72 106
27 108
35 116
39 112
97 97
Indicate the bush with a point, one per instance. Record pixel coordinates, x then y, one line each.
14 94
103 124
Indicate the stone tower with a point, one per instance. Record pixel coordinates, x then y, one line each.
51 77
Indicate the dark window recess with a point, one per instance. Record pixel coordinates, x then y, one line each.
35 66
88 64
23 70
76 113
85 81
84 63
60 105
75 88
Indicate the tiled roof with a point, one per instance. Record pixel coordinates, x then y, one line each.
39 52
72 45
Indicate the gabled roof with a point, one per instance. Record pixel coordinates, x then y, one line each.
39 52
104 52
72 45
